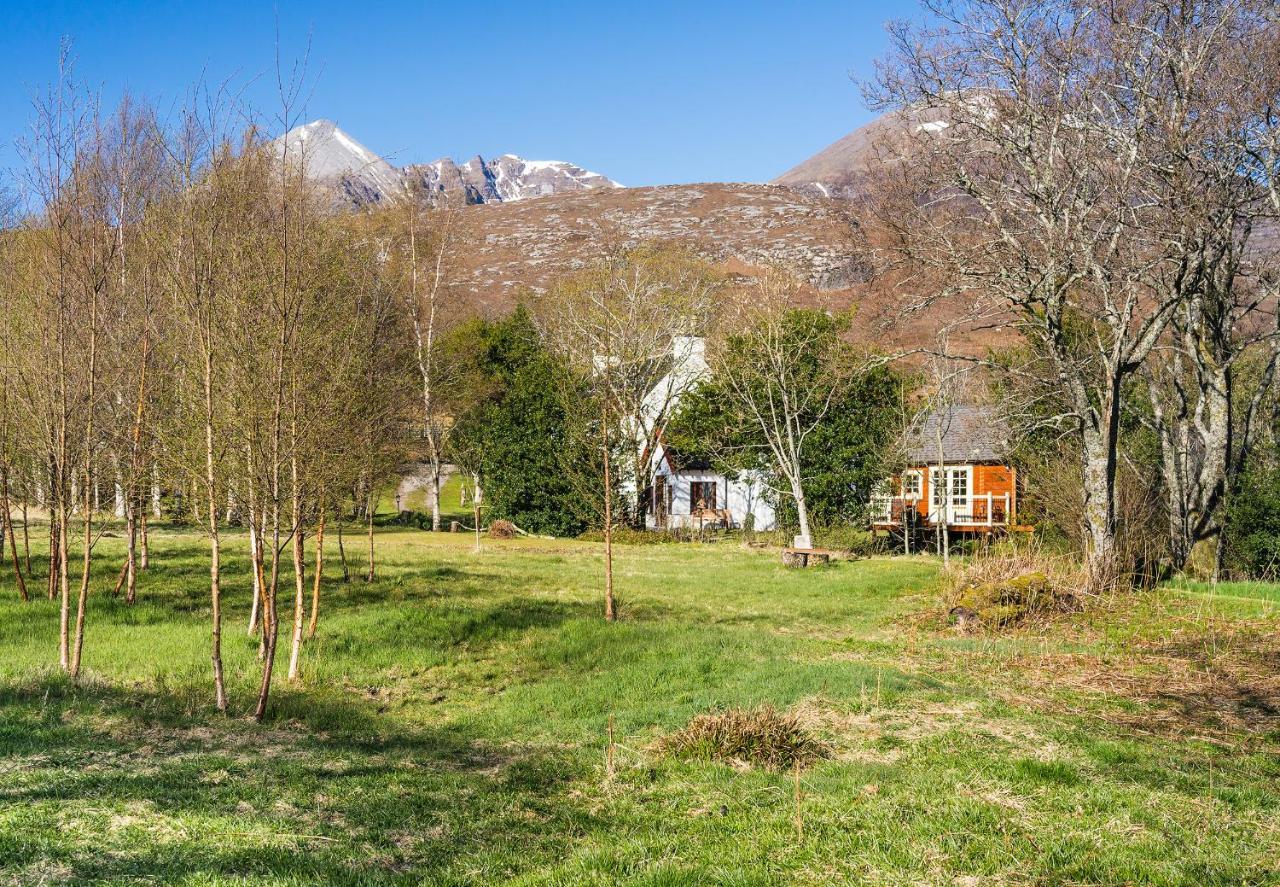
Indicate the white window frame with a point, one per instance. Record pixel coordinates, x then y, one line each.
962 506
917 476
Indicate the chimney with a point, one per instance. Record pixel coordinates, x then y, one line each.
688 355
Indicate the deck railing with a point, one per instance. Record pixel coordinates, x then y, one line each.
982 510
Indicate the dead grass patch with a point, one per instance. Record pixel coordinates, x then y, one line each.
761 737
1221 687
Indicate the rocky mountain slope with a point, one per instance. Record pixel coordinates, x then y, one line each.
514 250
525 244
529 222
361 177
836 170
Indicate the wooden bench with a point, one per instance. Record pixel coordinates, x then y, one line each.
712 518
805 557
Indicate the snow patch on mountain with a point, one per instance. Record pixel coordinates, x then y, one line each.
363 177
329 154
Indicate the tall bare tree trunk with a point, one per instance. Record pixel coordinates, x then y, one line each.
131 563
9 531
53 536
64 584
64 514
26 539
805 539
255 548
270 615
90 487
942 492
6 521
215 542
434 492
144 546
425 335
133 495
255 538
299 555
1099 473
319 577
610 613
342 551
372 508
83 597
476 498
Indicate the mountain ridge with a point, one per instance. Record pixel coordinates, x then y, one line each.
362 177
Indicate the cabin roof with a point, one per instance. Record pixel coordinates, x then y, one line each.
970 433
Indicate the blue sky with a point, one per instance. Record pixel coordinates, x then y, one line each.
646 93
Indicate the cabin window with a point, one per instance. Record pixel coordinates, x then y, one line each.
702 495
911 482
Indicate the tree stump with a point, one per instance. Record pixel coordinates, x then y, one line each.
793 558
455 526
805 557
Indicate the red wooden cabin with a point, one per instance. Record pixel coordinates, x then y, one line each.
957 472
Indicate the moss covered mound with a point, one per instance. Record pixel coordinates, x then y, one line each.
1013 601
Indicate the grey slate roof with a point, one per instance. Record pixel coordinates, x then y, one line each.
970 433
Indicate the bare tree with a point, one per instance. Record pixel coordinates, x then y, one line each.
781 370
71 245
946 378
626 329
1035 184
427 236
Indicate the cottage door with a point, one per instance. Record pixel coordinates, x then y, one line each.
661 501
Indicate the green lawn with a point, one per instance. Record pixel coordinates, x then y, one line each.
451 729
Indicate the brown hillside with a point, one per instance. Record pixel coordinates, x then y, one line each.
527 244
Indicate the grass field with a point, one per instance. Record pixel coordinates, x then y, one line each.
450 502
451 729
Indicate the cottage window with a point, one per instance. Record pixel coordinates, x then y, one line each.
702 495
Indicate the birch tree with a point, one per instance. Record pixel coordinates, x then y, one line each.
71 246
779 370
626 330
427 237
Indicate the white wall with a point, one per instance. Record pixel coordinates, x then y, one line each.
747 495
741 497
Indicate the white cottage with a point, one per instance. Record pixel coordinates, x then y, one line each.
684 489
688 493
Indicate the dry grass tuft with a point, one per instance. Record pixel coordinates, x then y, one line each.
762 737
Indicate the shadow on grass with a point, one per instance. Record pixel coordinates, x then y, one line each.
126 784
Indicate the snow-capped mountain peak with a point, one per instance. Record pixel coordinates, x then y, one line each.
329 154
363 177
516 178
